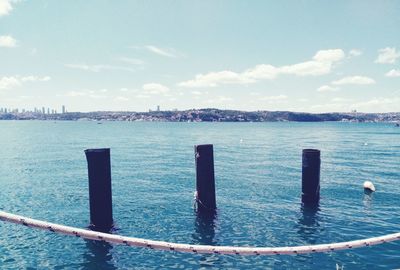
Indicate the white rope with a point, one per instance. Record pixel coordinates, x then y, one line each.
160 245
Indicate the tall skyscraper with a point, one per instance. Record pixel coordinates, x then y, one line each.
63 109
158 108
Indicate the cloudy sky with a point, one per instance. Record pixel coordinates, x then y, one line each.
314 56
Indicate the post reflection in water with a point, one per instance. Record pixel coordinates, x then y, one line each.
368 197
205 228
309 223
204 234
98 255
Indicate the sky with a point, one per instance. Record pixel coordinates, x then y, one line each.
309 56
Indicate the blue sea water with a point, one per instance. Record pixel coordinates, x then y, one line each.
43 175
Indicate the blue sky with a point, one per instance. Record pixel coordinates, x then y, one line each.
313 56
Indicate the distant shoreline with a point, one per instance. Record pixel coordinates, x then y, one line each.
207 115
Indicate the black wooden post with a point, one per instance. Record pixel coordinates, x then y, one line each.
100 198
310 176
205 180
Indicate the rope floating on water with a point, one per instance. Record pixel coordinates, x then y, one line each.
204 249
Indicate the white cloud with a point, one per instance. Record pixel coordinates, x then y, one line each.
197 93
9 82
387 56
321 64
327 88
260 72
274 98
7 41
354 53
121 98
98 68
329 56
378 104
14 81
219 99
142 96
339 99
155 88
354 80
35 79
329 107
309 68
213 79
128 90
393 73
96 94
5 7
75 94
132 61
163 52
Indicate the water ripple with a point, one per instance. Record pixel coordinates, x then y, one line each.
258 172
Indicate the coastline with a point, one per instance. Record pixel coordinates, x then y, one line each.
207 115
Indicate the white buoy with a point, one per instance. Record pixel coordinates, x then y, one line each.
369 186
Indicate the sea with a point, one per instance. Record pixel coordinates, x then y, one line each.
43 175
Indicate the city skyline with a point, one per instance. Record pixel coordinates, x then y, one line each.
42 109
260 55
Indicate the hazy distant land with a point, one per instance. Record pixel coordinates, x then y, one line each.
207 115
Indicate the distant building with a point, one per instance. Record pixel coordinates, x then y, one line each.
63 109
158 108
43 110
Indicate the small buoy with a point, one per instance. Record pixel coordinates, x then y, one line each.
365 144
369 186
241 140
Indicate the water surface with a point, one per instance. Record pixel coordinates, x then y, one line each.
43 175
